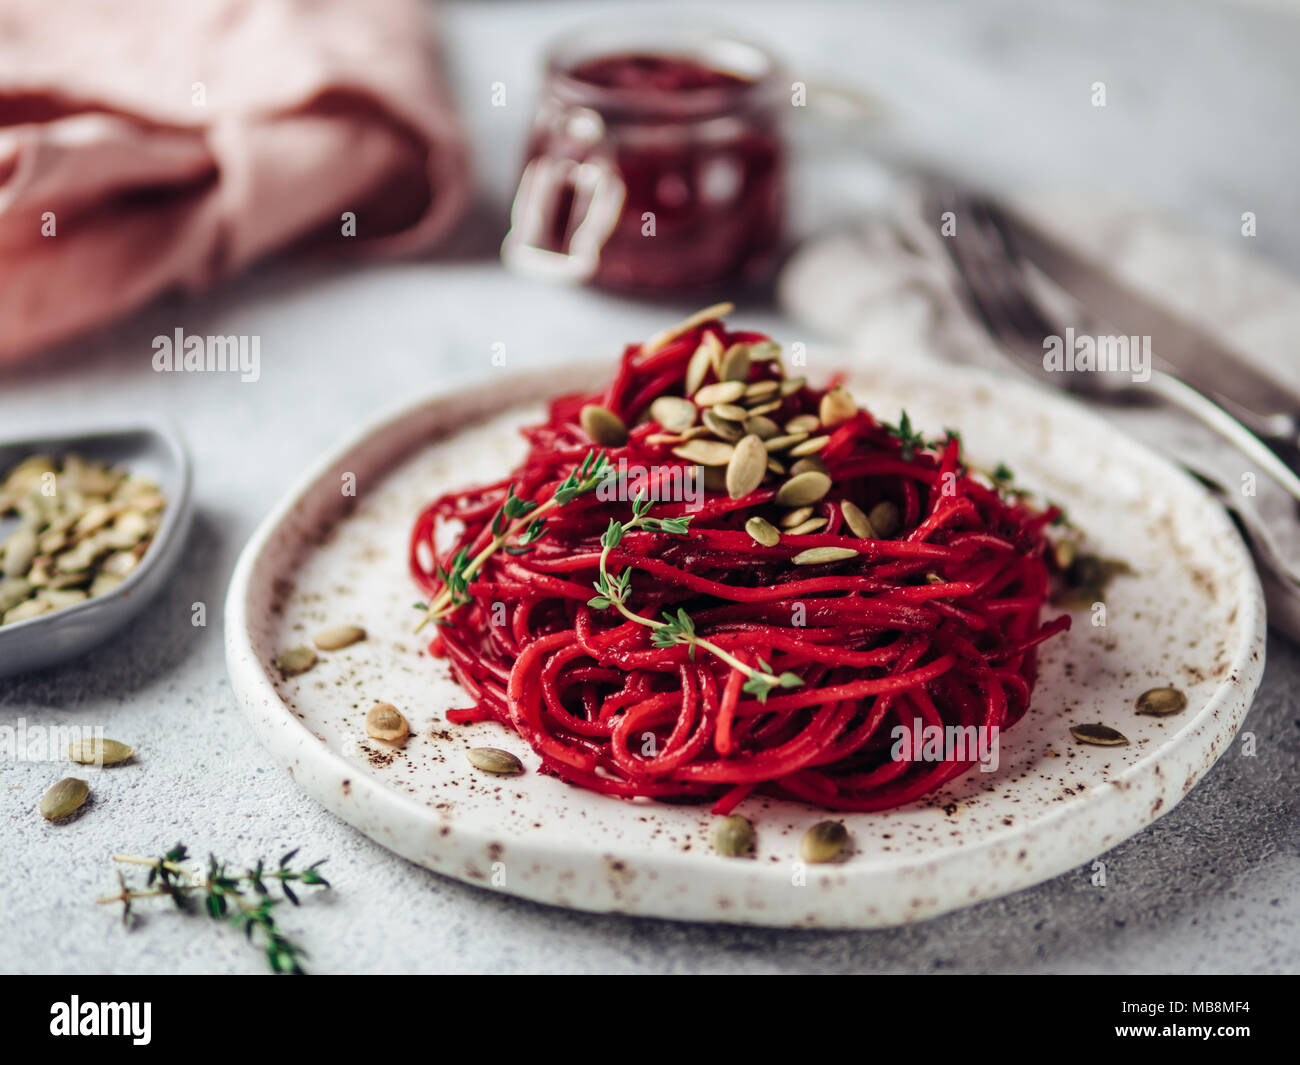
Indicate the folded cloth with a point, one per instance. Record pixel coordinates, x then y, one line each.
150 145
886 289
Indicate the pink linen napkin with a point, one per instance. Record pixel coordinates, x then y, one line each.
151 145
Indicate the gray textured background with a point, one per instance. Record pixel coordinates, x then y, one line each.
1200 123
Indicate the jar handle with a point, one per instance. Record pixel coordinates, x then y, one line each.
598 193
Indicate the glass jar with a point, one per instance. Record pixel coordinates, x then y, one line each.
655 162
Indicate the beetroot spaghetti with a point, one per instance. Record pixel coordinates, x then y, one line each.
834 577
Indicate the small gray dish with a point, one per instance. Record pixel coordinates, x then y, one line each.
148 448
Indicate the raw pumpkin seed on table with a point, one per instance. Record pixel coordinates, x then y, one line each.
64 799
99 752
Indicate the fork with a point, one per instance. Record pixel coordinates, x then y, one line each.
996 285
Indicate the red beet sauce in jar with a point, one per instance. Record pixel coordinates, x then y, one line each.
655 168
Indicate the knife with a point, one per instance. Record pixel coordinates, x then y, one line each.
1178 347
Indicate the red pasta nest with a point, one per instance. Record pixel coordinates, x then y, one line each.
937 624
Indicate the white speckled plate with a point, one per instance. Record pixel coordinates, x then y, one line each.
1192 617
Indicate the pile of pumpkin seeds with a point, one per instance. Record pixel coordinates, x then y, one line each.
83 527
724 423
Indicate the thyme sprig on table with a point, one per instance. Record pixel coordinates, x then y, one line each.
676 628
517 518
241 899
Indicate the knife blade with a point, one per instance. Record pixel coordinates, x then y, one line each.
1178 347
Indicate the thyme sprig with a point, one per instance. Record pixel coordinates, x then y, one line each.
517 519
241 899
1001 478
676 628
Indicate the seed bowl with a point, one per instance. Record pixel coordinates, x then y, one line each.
151 450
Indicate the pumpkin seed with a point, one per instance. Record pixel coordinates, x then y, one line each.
494 760
765 351
812 462
1065 552
792 385
1160 702
837 407
667 336
385 722
824 842
58 598
730 411
705 452
815 556
735 364
339 636
720 427
30 608
91 478
27 475
1098 735
762 389
747 467
708 356
130 527
64 799
859 524
786 440
802 423
20 549
802 489
95 518
763 531
885 519
99 752
13 591
295 660
775 467
104 583
602 425
722 392
733 837
806 527
674 413
796 517
121 564
759 409
810 447
762 427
